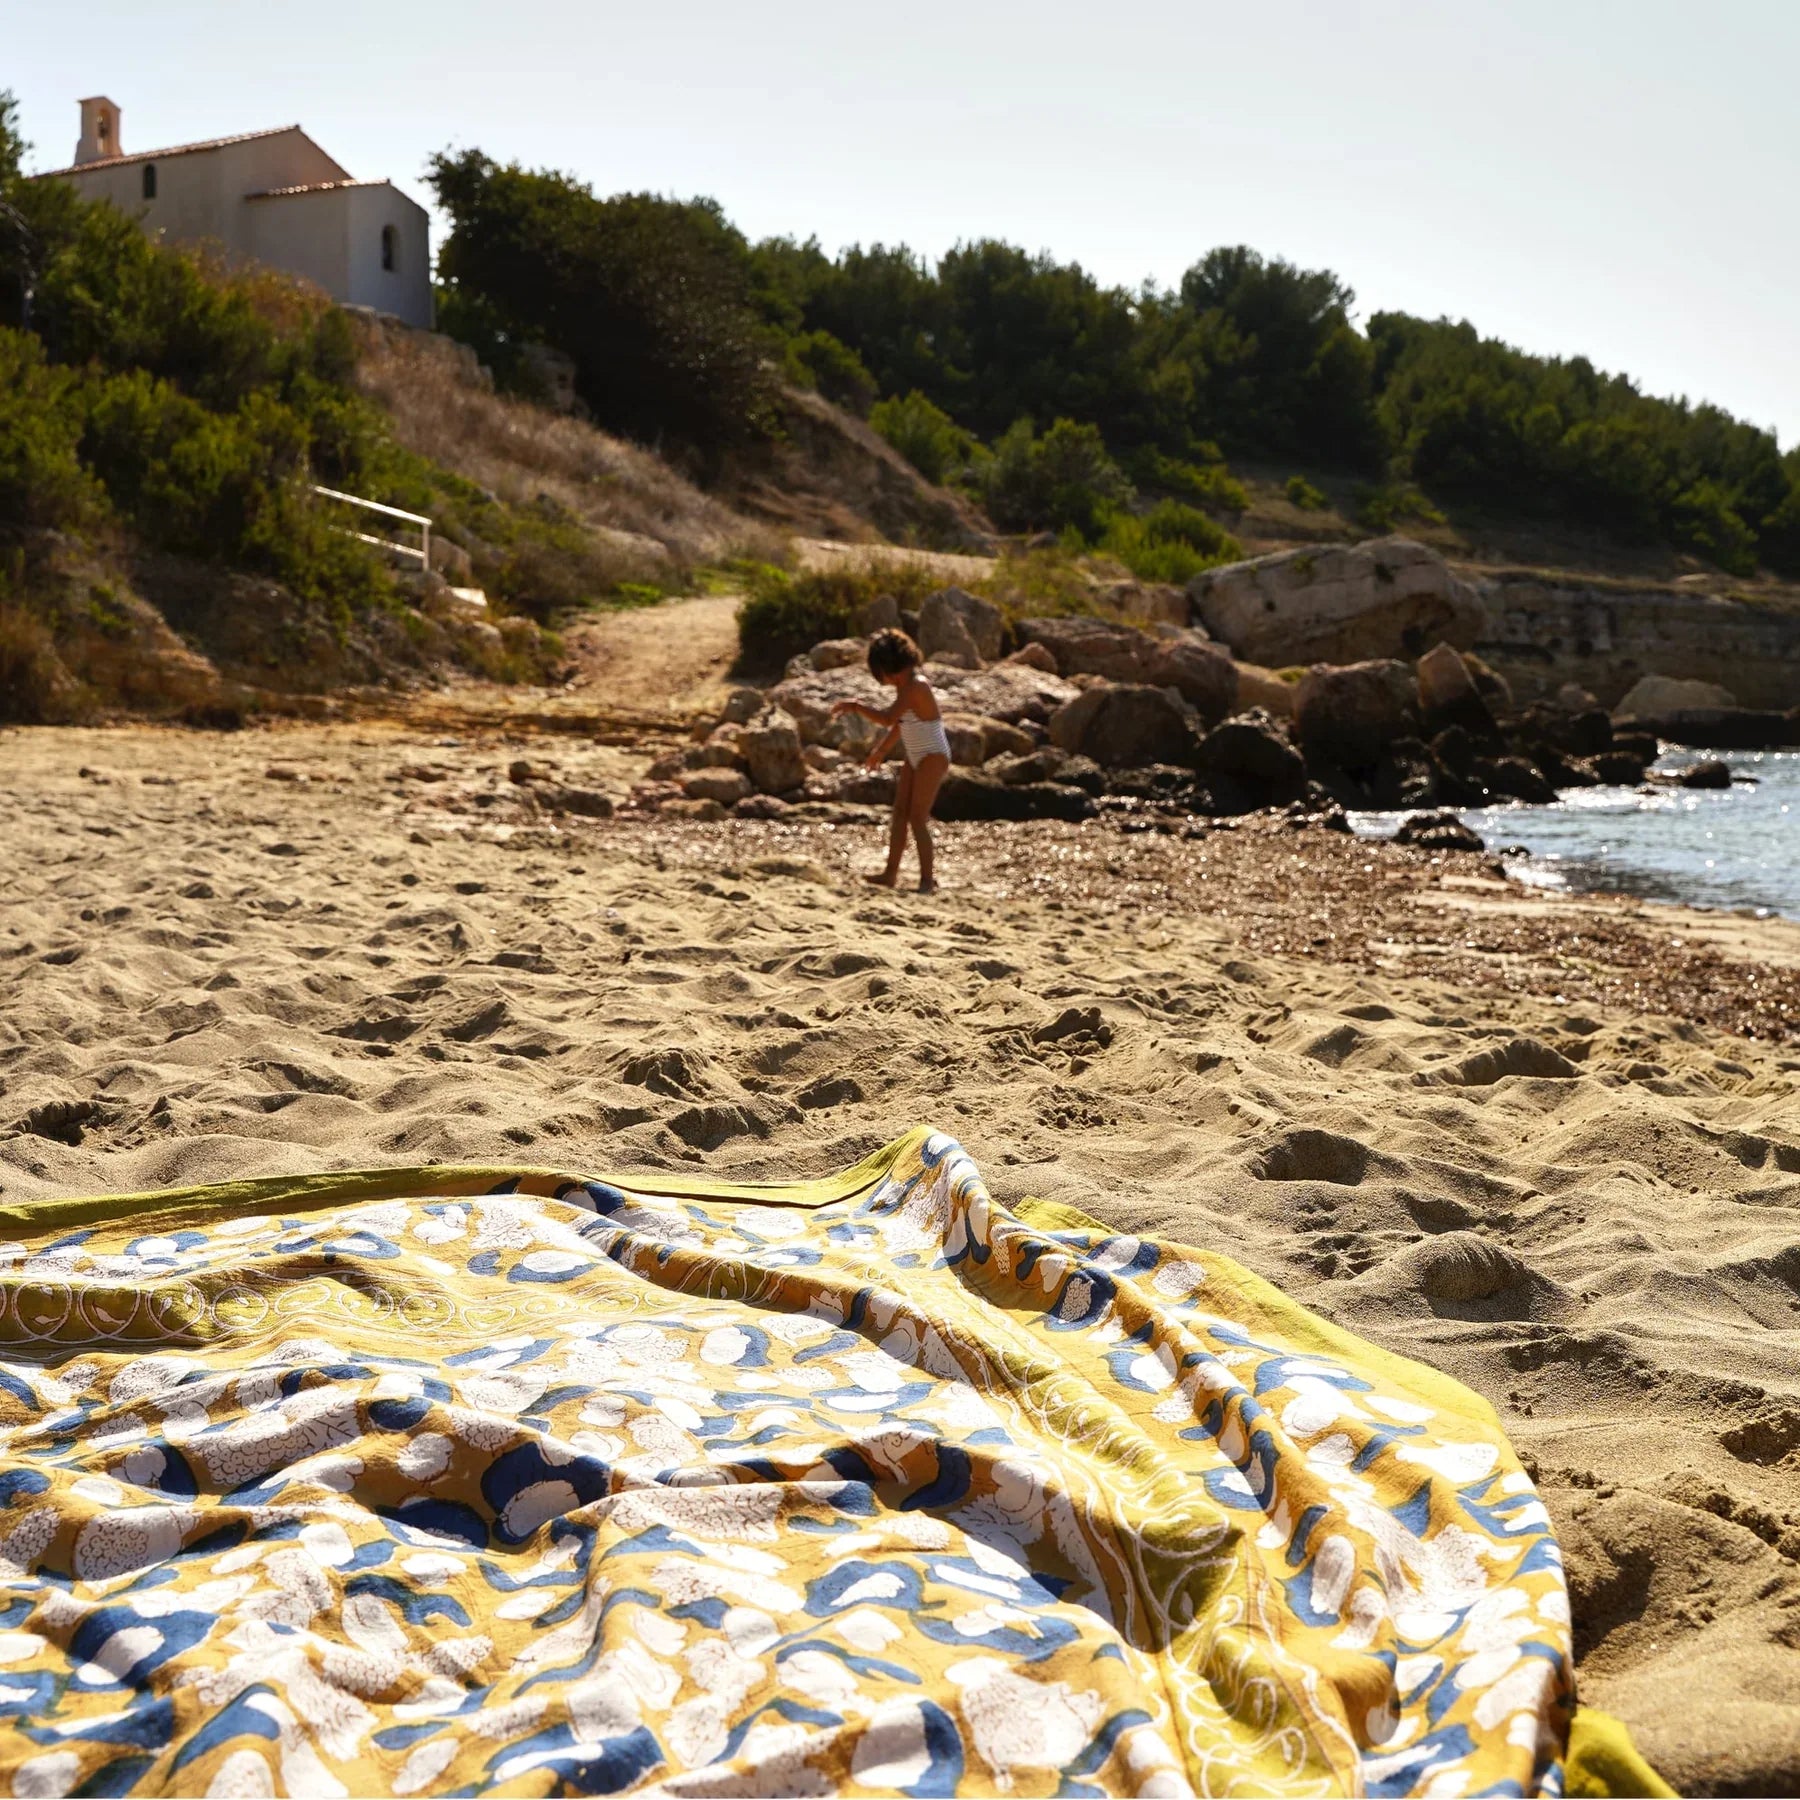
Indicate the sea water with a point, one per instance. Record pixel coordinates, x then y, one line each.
1736 847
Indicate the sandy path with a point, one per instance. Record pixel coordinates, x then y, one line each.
239 972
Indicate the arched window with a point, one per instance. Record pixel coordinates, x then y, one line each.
149 181
390 248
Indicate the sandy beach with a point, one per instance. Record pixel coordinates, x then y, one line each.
1551 1147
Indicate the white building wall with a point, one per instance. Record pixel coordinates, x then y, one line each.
404 290
304 234
331 235
199 194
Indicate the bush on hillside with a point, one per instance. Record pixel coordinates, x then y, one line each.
1170 542
42 481
1208 482
649 297
925 435
1303 494
816 359
783 614
1063 480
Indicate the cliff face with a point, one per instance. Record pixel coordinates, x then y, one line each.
1541 633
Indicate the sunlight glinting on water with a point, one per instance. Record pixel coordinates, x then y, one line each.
1737 847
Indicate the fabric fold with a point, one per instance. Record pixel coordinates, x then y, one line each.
515 1481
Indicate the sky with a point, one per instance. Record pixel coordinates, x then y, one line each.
1616 180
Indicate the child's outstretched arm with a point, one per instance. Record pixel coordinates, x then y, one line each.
874 714
884 744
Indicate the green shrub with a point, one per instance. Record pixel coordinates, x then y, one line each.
782 614
925 435
1381 508
1063 479
817 359
1304 495
1171 542
1207 483
1029 584
650 297
1702 519
42 481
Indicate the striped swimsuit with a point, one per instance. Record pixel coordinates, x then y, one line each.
921 738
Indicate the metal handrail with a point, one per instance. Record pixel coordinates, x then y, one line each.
423 553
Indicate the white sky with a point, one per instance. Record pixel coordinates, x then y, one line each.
1616 178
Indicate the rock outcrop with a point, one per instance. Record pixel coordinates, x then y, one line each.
1606 637
1654 694
1200 671
1125 725
1389 597
959 627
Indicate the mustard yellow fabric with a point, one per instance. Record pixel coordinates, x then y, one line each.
1603 1763
507 1481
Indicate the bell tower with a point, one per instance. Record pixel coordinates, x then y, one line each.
99 131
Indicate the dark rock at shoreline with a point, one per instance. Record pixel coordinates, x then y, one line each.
971 795
1253 755
1047 763
1618 768
1585 733
1518 779
1721 728
1350 716
1708 774
1438 831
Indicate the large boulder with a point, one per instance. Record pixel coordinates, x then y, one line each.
1252 752
968 742
1389 597
772 754
1447 693
808 698
1085 646
838 653
1012 692
1653 695
880 614
1264 688
962 624
1350 716
1124 725
1203 674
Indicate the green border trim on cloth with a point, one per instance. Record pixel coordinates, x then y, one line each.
1602 1762
346 1187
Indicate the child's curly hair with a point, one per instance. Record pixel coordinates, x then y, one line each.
891 652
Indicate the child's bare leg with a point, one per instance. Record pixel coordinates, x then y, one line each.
903 793
927 778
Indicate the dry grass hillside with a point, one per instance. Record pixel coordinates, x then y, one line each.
826 474
442 405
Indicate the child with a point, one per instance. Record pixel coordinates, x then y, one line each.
915 720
